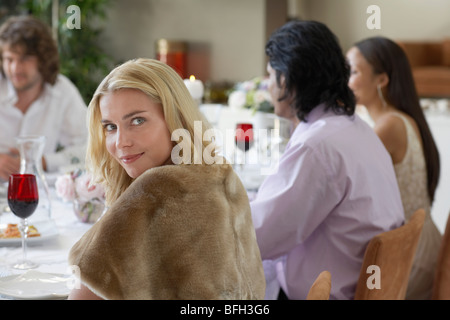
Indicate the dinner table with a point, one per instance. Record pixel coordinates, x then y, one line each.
53 278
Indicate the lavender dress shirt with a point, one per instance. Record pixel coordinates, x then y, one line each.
334 190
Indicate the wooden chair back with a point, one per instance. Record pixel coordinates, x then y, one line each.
320 289
388 260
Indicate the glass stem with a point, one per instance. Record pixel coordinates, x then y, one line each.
24 238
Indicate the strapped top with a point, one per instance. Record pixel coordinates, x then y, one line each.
412 174
412 180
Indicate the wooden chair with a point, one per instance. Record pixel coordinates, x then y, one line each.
441 287
320 289
393 253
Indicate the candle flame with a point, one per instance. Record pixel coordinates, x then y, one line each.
192 78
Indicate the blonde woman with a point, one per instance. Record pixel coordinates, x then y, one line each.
179 224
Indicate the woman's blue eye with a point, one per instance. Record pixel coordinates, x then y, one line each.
138 121
109 127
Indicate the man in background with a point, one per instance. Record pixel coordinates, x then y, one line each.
335 187
35 99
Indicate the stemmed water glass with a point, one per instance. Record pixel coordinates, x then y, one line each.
244 139
23 199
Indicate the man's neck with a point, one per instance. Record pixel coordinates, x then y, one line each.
26 97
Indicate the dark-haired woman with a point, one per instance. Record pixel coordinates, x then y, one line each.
382 81
335 186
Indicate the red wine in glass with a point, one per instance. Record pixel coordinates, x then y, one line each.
23 199
244 137
23 208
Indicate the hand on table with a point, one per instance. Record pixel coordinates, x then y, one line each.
9 163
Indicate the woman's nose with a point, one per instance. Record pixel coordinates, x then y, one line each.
123 139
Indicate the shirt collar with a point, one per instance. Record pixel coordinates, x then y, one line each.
314 115
317 113
51 89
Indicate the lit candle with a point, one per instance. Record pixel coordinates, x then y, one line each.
195 88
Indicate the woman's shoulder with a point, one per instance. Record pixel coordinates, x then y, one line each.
391 118
219 169
191 176
390 123
391 129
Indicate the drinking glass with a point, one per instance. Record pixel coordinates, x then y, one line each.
31 149
23 199
244 140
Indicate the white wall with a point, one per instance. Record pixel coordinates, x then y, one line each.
440 127
234 29
400 19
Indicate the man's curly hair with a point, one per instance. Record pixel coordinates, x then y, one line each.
34 38
308 54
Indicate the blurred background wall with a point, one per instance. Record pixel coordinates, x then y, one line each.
235 31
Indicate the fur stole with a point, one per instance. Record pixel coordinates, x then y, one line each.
178 232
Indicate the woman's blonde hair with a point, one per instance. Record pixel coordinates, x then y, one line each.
162 85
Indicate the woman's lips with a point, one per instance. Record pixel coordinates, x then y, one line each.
131 158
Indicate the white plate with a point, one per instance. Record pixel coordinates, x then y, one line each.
47 229
35 285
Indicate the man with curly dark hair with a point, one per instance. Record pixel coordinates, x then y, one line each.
335 187
35 99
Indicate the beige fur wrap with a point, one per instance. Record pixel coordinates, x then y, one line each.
178 232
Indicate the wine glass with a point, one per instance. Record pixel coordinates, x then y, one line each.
244 139
23 199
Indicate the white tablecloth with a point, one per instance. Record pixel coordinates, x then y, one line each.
271 135
51 254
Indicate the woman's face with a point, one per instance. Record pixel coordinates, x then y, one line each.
363 81
136 132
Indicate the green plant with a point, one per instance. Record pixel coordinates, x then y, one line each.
82 59
8 8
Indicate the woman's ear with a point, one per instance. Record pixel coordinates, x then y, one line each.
383 79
